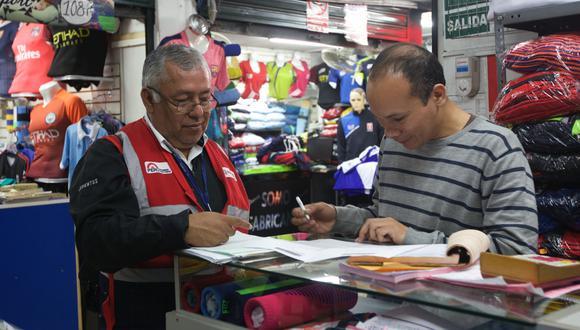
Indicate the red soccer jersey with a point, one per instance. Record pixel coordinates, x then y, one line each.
253 80
47 130
215 58
33 55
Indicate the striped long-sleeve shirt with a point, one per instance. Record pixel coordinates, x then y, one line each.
477 178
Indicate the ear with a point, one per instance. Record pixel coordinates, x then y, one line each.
439 94
147 99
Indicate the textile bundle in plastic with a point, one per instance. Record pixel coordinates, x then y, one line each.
549 168
558 136
537 96
562 205
561 244
557 52
191 290
287 308
215 298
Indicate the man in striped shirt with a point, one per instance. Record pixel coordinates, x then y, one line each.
441 169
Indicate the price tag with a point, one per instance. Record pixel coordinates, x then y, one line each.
77 12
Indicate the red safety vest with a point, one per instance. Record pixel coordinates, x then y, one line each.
161 188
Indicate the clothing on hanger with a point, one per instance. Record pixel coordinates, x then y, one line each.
280 79
253 80
302 75
7 65
78 138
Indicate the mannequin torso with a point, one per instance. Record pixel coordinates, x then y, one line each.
48 91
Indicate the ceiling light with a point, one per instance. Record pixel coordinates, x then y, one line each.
300 42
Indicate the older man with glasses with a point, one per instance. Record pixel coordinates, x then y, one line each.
157 186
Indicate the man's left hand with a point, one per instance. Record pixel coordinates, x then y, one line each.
383 230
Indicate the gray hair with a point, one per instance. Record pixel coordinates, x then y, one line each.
186 58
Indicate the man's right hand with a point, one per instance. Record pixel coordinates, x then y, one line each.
211 228
322 218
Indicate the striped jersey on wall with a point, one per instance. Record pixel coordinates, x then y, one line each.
477 178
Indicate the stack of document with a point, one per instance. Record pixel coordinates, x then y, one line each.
241 246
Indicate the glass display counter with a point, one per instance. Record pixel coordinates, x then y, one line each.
315 292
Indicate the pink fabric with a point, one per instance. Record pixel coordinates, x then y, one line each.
295 306
215 58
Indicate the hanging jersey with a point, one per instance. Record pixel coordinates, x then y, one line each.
281 78
33 55
362 71
7 65
346 83
298 88
214 56
253 80
47 130
78 51
327 96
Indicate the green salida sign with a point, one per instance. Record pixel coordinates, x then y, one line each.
469 19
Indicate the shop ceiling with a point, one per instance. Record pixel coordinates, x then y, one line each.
253 22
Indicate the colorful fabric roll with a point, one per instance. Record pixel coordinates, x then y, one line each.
291 307
236 302
191 290
557 52
215 298
535 97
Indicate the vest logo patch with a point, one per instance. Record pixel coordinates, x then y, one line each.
155 167
50 118
229 173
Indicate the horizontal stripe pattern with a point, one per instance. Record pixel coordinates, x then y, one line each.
476 179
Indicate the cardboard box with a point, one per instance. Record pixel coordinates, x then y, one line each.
532 268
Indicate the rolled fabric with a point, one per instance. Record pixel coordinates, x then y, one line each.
236 302
215 298
299 305
473 241
191 290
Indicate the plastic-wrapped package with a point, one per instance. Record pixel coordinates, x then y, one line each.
560 244
536 97
557 136
562 205
546 224
556 52
565 168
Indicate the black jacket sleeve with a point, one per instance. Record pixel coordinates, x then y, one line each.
110 233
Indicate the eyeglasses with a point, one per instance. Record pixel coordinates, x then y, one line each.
187 106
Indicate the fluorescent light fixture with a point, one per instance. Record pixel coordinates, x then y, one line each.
300 42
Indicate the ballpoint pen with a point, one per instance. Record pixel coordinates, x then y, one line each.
301 205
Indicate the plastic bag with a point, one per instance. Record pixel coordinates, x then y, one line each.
556 52
536 97
562 205
547 168
560 244
547 225
561 136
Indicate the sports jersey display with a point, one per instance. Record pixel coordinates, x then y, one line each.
327 96
281 78
7 65
47 128
345 81
214 55
33 54
298 88
78 51
253 80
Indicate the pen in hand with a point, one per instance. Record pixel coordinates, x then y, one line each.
301 205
